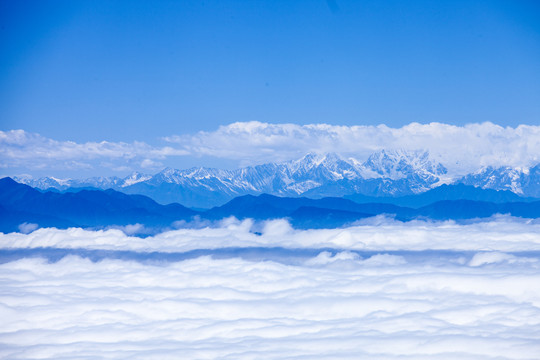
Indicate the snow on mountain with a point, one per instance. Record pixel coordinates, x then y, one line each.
45 182
135 178
100 182
522 181
325 167
384 173
399 164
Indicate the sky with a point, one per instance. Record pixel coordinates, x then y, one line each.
141 72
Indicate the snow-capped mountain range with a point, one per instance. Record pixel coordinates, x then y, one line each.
522 181
384 173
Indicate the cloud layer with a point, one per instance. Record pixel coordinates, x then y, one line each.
474 300
331 307
502 233
460 148
20 149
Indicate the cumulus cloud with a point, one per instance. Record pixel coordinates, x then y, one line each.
461 149
134 229
19 148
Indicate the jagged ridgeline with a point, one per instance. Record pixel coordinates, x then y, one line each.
383 174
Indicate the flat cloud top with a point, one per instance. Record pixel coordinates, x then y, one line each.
461 149
331 305
481 304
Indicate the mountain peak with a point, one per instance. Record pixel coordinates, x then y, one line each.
134 178
515 179
316 159
7 181
399 163
385 173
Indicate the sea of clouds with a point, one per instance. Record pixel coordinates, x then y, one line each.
500 233
385 290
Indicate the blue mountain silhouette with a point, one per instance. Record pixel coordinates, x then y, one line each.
20 204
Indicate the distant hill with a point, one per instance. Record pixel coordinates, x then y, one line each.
335 212
273 207
87 208
20 204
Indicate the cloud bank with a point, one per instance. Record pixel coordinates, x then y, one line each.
460 148
19 148
335 303
457 147
503 234
331 307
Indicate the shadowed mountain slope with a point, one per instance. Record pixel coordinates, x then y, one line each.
21 204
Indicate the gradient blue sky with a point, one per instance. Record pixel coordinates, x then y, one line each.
140 70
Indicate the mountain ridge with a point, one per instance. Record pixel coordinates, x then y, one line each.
385 173
20 204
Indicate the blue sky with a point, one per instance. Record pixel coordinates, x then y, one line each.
140 70
133 72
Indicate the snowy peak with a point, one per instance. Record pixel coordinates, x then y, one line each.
168 175
135 178
290 178
399 164
384 173
335 163
319 167
100 182
45 182
305 164
522 181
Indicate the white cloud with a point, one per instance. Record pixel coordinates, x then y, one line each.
133 229
494 257
331 306
150 164
19 148
26 228
460 148
500 234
